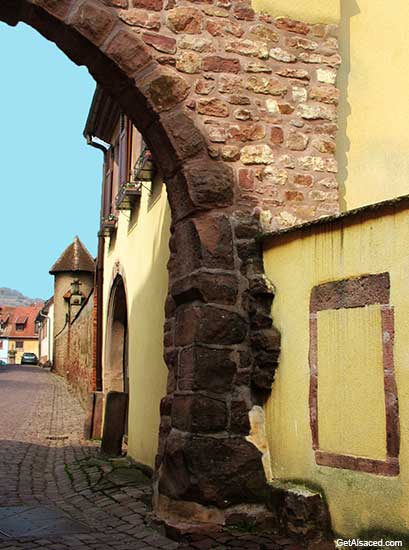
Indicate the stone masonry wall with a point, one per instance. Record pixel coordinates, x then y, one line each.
74 352
264 93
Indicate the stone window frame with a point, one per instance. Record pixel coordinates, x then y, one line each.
349 293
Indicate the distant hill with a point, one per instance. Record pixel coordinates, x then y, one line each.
10 297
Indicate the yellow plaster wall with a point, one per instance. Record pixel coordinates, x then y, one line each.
30 346
311 11
141 249
373 140
295 263
62 284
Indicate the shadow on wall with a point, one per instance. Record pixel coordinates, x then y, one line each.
349 8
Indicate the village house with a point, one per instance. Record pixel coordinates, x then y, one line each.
4 347
263 349
45 322
20 329
5 315
135 222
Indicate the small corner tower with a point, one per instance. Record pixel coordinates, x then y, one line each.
73 281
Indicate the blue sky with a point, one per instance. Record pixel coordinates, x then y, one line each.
50 178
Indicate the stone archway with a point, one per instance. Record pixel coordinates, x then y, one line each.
221 107
116 367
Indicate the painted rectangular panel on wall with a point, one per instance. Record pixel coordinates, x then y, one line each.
353 401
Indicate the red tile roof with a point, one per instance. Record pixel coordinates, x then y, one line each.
20 315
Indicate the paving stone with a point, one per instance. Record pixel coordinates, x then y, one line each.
63 487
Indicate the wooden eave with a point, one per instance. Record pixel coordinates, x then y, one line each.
102 117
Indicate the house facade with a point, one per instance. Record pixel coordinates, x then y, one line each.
135 229
5 315
45 321
4 346
20 329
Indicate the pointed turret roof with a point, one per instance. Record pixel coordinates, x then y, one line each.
74 258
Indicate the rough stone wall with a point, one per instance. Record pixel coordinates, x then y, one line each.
264 93
239 111
74 351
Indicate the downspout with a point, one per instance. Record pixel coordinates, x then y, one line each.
99 275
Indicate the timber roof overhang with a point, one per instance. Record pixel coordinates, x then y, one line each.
102 117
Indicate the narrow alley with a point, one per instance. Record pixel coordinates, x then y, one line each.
57 493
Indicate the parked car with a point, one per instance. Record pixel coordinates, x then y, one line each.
2 363
29 359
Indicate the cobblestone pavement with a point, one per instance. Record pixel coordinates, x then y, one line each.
46 467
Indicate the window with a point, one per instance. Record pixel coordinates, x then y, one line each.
21 323
19 345
124 153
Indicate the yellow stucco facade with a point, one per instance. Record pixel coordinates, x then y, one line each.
373 111
350 350
311 11
139 252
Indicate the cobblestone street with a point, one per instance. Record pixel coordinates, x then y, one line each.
55 491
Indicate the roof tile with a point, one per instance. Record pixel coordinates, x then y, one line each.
74 258
16 315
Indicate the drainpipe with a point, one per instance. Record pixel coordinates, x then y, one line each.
99 275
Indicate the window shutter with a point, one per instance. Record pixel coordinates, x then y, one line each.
124 150
109 164
130 151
